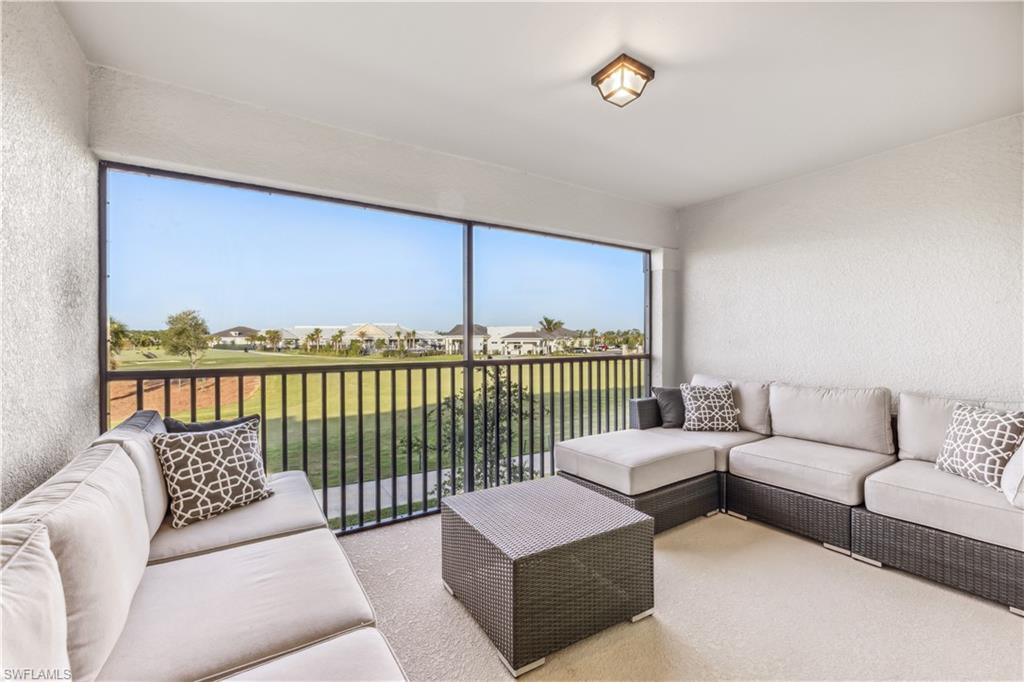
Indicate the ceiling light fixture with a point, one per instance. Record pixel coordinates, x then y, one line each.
622 80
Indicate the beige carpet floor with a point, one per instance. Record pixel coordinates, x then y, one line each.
733 600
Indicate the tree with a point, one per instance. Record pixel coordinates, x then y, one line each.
117 337
314 338
336 339
362 336
410 337
273 338
380 344
188 335
398 337
549 324
251 339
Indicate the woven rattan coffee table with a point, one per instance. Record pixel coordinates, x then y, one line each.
542 564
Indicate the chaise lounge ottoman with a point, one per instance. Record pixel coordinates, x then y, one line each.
672 480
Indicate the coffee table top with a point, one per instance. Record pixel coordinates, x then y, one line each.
523 519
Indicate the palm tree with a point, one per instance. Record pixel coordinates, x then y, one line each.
314 338
398 336
362 338
411 337
336 339
549 324
273 337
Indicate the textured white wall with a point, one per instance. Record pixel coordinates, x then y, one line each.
902 270
48 407
138 120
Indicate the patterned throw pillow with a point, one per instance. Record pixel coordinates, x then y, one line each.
210 472
979 442
709 408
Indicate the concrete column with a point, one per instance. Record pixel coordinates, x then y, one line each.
666 332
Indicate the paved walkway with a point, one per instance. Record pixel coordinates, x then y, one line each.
401 496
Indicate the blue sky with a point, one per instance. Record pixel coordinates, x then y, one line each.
242 257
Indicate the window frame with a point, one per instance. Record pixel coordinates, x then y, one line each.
468 362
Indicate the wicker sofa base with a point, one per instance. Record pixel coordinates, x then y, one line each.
670 505
822 520
985 570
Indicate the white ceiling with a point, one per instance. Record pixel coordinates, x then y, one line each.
744 95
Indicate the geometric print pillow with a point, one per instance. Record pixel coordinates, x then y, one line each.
979 442
709 408
210 472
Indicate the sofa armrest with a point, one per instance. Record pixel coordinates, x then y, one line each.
644 413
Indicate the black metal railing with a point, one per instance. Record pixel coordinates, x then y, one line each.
383 442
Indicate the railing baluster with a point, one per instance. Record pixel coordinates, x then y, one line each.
284 422
408 442
519 428
343 436
572 400
497 425
167 397
305 425
454 406
241 395
486 466
263 419
216 398
139 399
543 437
423 450
607 397
192 397
323 439
394 451
376 444
440 440
590 397
508 423
361 449
532 400
561 407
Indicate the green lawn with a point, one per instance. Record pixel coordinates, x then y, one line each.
416 400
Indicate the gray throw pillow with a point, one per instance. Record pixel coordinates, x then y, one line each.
670 404
709 408
175 426
210 472
1013 479
979 442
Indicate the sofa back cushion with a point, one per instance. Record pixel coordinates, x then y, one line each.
849 417
135 436
34 633
93 512
751 398
922 420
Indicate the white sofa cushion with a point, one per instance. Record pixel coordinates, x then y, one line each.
633 461
849 417
213 614
34 632
292 508
830 472
356 656
921 423
719 441
135 435
917 492
751 398
93 511
1012 484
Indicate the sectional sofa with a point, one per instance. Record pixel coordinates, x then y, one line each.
823 463
98 585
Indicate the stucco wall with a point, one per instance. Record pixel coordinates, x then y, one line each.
902 270
48 407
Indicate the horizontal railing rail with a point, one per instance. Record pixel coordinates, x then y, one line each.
385 441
